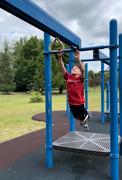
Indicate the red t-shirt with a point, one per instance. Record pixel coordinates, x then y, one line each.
75 89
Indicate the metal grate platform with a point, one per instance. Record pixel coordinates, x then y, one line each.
84 142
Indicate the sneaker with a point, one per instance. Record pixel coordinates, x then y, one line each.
85 125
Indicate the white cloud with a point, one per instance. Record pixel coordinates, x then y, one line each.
88 19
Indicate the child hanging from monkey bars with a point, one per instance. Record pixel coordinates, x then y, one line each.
74 85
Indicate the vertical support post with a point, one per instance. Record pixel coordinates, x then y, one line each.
114 156
107 97
86 86
120 88
67 104
71 63
102 93
48 97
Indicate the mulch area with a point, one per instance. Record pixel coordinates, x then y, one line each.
16 149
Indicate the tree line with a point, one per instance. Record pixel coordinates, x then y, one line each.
22 67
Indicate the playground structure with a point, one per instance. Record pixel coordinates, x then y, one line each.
31 13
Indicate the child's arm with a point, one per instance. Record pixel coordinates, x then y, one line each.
61 63
80 64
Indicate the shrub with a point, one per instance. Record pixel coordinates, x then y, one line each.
36 97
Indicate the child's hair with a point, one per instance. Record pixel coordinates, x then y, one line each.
77 66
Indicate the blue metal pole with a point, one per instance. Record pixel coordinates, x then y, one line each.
71 63
67 104
120 88
107 97
84 49
114 156
102 93
48 97
86 85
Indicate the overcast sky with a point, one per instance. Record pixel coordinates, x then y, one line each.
88 19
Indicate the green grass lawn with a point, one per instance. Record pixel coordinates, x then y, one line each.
16 112
15 115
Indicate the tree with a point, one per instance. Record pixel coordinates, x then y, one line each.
25 56
106 79
6 70
29 65
90 74
94 79
57 76
39 77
